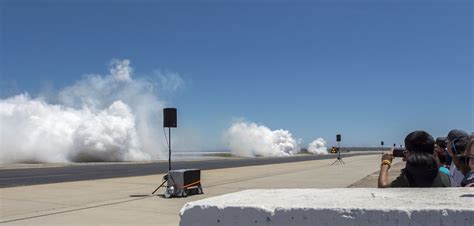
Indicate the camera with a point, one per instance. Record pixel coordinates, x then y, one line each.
399 152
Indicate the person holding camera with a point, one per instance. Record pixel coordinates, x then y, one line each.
422 167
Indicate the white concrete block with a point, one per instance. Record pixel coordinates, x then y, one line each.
342 206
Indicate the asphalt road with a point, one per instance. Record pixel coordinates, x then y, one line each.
33 176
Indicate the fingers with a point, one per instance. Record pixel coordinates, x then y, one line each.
387 156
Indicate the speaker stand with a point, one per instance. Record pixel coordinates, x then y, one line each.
165 177
339 157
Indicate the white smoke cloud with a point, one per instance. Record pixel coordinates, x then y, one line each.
249 139
121 69
99 118
318 147
170 81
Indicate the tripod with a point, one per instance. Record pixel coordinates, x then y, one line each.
339 158
165 177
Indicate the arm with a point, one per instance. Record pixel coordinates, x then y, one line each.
383 175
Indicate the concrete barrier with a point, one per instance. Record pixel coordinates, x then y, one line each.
343 206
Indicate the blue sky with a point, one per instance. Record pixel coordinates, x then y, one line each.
370 70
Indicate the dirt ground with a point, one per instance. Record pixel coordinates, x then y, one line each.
370 181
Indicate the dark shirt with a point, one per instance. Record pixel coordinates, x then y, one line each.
441 180
468 179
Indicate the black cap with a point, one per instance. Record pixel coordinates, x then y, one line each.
457 134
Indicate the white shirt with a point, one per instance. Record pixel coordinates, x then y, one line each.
455 176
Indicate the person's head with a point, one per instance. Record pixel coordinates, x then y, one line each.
470 154
456 142
441 142
440 153
419 141
421 169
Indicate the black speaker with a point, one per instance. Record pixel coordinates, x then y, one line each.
169 117
338 137
381 143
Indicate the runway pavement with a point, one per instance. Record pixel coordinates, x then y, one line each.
128 200
93 171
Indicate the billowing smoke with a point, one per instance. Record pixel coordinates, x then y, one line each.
249 139
100 118
318 147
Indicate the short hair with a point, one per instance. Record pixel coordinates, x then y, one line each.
419 141
441 141
421 169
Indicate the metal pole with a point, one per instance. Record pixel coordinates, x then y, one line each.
339 151
169 148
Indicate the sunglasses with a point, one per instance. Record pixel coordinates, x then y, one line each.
448 141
